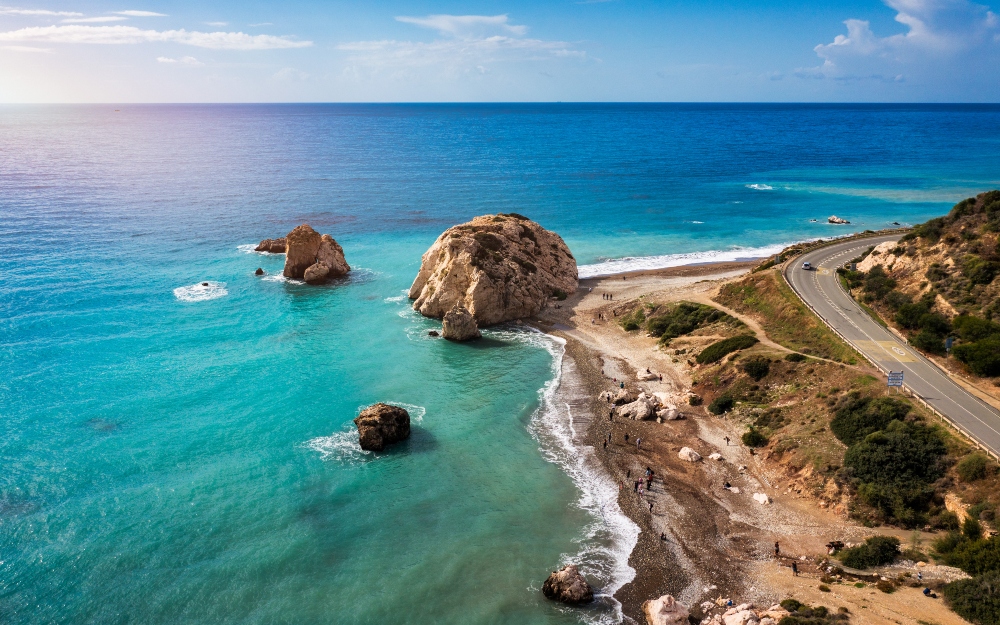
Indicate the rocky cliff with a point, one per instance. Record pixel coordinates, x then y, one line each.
499 267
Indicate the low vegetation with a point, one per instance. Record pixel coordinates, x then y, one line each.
876 551
802 614
720 349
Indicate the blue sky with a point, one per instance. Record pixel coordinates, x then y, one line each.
617 50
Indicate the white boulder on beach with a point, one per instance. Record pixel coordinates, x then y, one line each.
686 453
665 611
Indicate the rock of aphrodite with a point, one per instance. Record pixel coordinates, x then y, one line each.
380 425
499 267
274 246
459 325
313 257
665 611
568 586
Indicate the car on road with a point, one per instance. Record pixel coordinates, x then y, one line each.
807 266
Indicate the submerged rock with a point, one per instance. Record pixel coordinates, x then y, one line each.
313 257
274 246
433 333
568 586
665 611
499 267
380 425
459 325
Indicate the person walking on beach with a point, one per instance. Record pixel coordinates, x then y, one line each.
795 569
651 507
727 441
626 437
638 443
635 486
628 473
777 549
605 445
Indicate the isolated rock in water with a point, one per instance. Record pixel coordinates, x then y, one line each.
313 257
259 272
274 246
686 453
665 611
380 425
568 586
433 333
500 267
459 325
761 498
833 219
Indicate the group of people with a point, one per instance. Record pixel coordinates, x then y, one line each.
608 296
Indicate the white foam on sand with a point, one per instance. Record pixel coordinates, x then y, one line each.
645 263
610 538
201 292
760 187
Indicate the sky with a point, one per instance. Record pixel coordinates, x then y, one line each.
514 50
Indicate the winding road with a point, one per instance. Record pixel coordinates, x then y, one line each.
820 289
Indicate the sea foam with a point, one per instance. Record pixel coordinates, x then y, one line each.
201 292
645 263
760 187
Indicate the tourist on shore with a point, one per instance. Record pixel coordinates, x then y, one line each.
795 569
777 549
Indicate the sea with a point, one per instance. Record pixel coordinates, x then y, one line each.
173 452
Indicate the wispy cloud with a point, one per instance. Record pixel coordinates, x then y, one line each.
27 49
217 23
94 20
123 35
466 25
132 13
260 24
185 60
38 12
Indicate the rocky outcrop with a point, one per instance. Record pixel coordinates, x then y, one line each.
313 257
644 407
833 219
686 453
459 325
273 246
622 397
499 267
665 611
380 425
568 586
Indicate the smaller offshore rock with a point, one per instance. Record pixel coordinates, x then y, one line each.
833 219
568 586
313 257
259 272
459 325
665 611
380 425
274 246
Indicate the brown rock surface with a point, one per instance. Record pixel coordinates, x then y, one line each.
313 257
274 246
665 611
459 325
499 267
380 425
568 586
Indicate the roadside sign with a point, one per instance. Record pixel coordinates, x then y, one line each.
948 342
896 378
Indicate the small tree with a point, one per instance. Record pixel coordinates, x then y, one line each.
757 368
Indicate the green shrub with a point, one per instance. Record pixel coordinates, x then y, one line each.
974 467
795 357
930 230
878 284
720 349
896 299
694 400
753 438
824 588
928 341
977 600
877 551
633 320
980 271
559 294
757 368
975 557
982 357
885 586
721 404
684 318
856 416
909 315
971 328
972 529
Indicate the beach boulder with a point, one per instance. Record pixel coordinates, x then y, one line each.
272 246
761 498
665 611
622 396
380 425
686 453
499 267
568 586
644 407
459 325
669 414
313 257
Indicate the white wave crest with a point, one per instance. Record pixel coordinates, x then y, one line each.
277 277
203 291
645 263
340 446
249 248
760 187
610 538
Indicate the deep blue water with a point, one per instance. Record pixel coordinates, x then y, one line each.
167 460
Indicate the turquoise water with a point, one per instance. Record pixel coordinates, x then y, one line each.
174 454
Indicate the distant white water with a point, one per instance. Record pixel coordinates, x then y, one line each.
645 263
201 292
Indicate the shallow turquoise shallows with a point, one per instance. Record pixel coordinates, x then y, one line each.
178 453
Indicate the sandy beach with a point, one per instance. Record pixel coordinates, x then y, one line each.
699 541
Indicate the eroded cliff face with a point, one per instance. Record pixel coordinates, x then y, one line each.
499 267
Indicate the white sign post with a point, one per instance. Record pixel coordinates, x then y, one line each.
896 379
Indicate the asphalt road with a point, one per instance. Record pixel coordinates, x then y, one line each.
820 288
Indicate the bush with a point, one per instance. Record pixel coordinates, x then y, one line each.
694 400
757 368
982 357
976 600
974 467
633 320
824 588
930 230
928 341
896 300
878 284
720 349
559 294
972 529
795 357
857 417
971 328
975 557
909 315
721 404
684 318
885 586
899 455
980 271
877 551
753 438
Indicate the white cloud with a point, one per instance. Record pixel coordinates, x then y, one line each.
94 20
121 35
466 25
140 13
27 49
940 34
186 60
217 23
38 12
260 24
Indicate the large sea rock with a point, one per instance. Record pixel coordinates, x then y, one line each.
380 425
568 586
313 257
665 611
499 267
459 325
